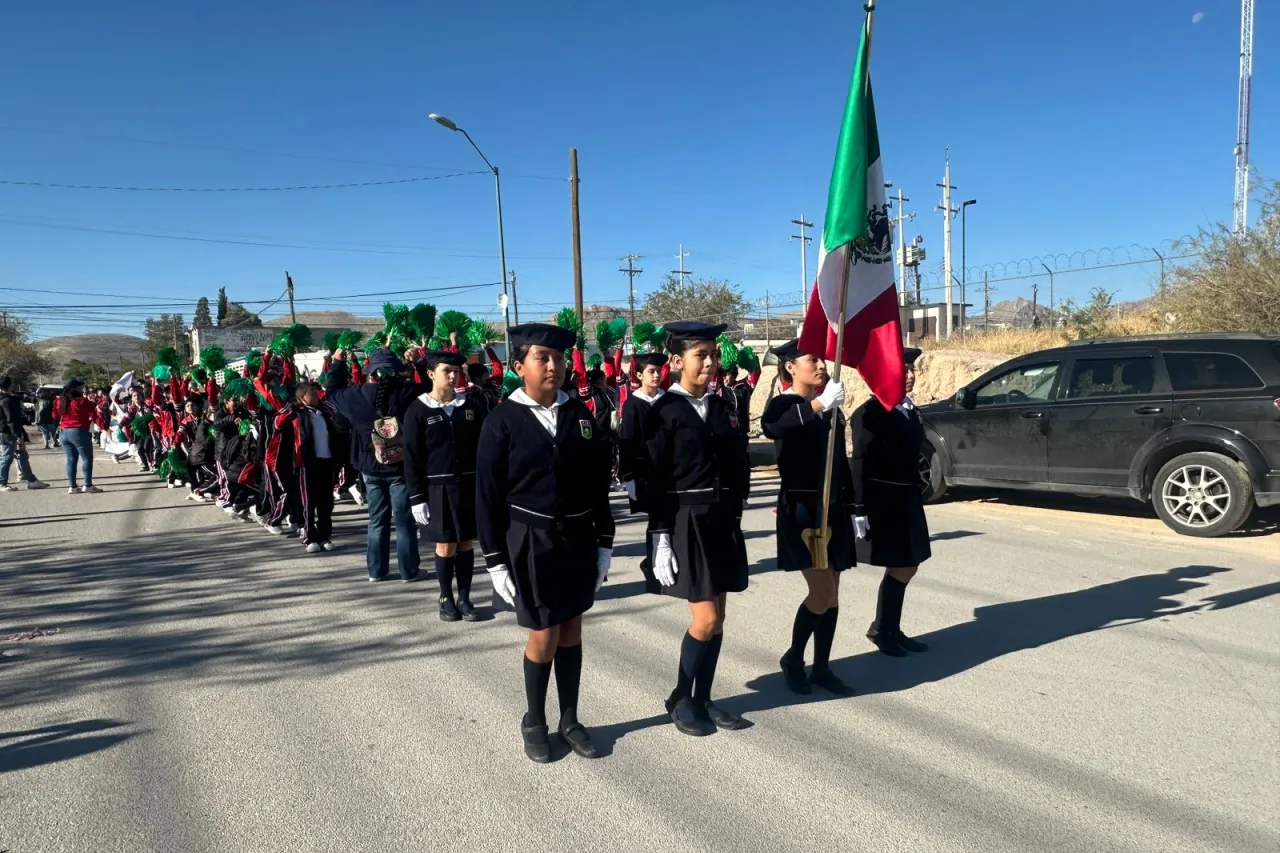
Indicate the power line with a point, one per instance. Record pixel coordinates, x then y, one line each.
352 185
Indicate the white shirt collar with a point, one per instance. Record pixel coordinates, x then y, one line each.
433 403
643 396
699 405
525 400
906 405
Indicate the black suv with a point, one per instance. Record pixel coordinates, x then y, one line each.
1190 423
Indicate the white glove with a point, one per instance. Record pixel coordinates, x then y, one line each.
421 514
664 560
503 585
604 559
861 527
630 486
832 397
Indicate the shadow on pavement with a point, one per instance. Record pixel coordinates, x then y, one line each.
35 747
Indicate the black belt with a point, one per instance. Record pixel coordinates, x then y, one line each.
542 521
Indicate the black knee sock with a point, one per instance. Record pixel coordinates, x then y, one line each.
444 574
801 630
889 610
823 636
537 677
707 673
568 678
692 651
465 568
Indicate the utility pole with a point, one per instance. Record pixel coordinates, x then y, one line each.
577 233
288 285
986 302
804 260
902 246
682 272
1053 318
515 303
1161 257
1035 306
632 272
947 213
768 338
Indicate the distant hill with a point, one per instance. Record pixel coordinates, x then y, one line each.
329 320
110 351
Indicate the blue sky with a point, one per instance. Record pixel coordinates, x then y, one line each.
1076 125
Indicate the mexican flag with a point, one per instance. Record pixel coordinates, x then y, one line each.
857 243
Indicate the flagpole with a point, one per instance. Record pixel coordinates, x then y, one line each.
821 560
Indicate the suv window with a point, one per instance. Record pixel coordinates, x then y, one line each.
1209 371
1103 377
1029 382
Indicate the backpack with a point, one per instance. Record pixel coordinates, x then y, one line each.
388 442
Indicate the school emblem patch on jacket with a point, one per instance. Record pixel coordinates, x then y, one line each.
471 416
733 419
585 427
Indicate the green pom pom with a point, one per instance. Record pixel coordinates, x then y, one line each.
510 383
610 334
450 322
292 340
376 341
748 360
642 336
567 318
481 334
594 360
253 361
330 341
396 316
141 424
728 352
237 389
168 356
422 322
246 426
161 372
350 340
121 438
213 358
172 466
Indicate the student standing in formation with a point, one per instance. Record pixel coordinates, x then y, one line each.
441 434
544 523
698 479
306 427
800 420
890 506
632 455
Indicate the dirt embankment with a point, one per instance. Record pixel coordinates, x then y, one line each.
938 375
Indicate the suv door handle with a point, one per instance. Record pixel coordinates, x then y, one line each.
1031 416
1149 410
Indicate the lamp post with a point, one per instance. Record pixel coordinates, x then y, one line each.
448 124
964 252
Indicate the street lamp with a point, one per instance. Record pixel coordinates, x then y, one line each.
964 251
448 124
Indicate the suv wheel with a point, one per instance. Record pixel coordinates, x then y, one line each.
1202 494
932 484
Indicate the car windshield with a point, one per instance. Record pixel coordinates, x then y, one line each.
1032 382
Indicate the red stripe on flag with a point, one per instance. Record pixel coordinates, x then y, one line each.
872 344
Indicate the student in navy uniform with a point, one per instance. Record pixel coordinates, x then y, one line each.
632 455
441 434
799 421
890 506
543 519
698 480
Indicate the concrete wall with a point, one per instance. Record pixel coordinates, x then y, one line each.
235 342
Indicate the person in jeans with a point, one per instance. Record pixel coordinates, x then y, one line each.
13 438
387 395
74 414
44 421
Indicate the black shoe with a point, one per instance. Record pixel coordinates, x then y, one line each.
887 645
723 719
468 611
536 744
909 644
413 578
449 611
687 720
793 671
579 740
829 681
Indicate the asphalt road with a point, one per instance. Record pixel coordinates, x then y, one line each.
1096 684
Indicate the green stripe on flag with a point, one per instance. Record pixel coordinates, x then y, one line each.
857 148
